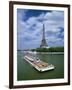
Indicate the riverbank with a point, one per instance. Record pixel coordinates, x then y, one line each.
51 53
59 53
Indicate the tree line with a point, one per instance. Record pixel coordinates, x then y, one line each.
51 49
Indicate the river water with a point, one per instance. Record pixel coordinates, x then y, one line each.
26 72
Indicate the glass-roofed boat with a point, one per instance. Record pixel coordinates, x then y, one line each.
34 60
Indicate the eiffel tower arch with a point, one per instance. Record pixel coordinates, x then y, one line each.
43 42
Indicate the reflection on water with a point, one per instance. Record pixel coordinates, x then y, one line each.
26 72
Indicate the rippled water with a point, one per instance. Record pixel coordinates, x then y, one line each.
26 72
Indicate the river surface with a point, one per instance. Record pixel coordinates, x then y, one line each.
26 72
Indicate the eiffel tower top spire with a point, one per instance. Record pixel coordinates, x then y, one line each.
43 42
43 37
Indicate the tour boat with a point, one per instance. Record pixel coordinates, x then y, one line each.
38 64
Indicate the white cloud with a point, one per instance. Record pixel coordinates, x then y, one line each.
31 21
54 15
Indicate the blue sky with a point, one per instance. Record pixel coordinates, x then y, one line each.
30 25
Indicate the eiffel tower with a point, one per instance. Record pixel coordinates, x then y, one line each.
43 42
